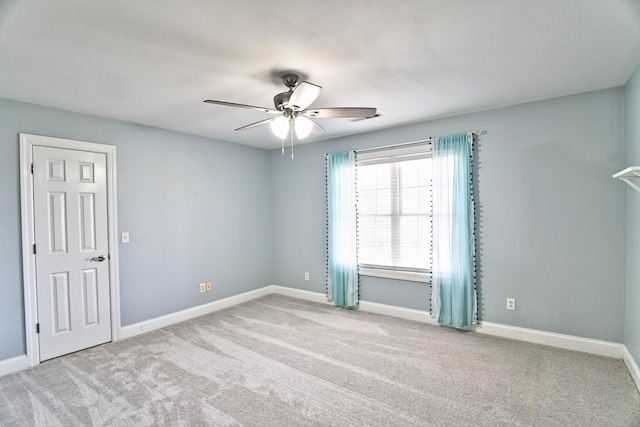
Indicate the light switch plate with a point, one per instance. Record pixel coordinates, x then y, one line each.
124 237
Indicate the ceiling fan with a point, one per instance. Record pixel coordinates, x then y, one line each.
293 112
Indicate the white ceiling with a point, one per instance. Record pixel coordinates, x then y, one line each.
154 62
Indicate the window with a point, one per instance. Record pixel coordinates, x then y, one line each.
394 213
407 213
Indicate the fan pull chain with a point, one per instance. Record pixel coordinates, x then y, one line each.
291 133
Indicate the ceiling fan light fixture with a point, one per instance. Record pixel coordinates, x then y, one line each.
280 127
303 127
293 110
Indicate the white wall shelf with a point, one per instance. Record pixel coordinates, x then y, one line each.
628 174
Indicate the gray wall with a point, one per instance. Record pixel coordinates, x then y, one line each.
196 209
632 319
551 219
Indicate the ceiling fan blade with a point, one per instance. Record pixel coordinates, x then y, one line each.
256 124
316 127
248 107
303 95
359 119
341 113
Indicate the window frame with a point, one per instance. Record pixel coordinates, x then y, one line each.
395 156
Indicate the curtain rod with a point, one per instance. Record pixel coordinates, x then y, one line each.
404 144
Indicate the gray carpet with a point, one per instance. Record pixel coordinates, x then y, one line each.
279 361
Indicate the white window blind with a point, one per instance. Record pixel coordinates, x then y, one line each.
394 212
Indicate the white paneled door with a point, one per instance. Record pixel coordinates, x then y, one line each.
72 250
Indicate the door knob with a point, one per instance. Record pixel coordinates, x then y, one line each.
98 258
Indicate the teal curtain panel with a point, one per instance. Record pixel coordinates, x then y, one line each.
453 297
342 244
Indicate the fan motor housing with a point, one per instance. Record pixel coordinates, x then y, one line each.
281 100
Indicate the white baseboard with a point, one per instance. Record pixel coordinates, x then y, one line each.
568 342
372 307
632 366
299 293
395 311
552 339
190 313
15 364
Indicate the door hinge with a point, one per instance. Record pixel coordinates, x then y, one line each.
37 328
34 248
31 168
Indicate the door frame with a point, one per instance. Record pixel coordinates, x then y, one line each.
27 142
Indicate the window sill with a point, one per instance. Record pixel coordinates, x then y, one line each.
398 275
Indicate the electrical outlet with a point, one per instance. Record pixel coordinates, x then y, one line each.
208 286
306 276
511 304
203 287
